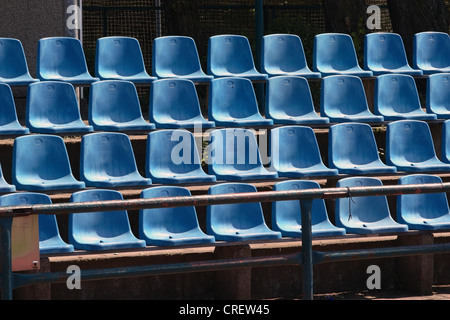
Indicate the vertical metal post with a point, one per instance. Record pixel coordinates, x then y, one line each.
307 260
6 258
259 32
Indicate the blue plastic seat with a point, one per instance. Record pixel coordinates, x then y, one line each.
13 63
177 57
334 53
50 240
352 149
410 147
170 226
230 55
9 123
237 221
384 53
283 55
287 216
233 154
431 52
172 157
52 107
62 59
114 106
40 162
397 98
445 141
233 103
102 230
343 99
423 211
174 104
120 58
5 187
438 95
107 160
289 101
365 214
295 153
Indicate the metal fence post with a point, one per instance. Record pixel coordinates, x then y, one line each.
307 258
6 258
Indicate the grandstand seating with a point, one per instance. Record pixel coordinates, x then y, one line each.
52 107
295 153
120 58
237 221
13 63
5 187
438 95
384 53
289 101
102 230
9 123
431 52
114 106
397 98
366 214
286 215
343 99
334 54
445 141
177 57
230 55
352 149
174 104
170 226
172 157
283 55
425 211
107 160
63 59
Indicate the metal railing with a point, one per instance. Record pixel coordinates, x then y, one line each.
306 258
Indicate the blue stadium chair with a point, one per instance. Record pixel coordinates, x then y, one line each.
177 57
102 230
52 107
47 169
233 154
62 59
445 141
286 215
334 53
410 147
107 161
114 106
384 53
289 101
295 152
283 55
13 63
397 98
5 187
237 221
438 95
120 58
431 52
343 99
230 55
9 123
366 214
172 157
50 240
233 103
170 226
423 211
352 149
174 104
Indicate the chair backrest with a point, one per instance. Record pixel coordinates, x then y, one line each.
9 123
5 187
117 57
438 94
174 56
334 51
384 50
445 141
282 53
60 57
13 63
431 50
